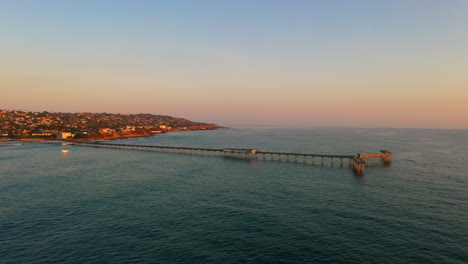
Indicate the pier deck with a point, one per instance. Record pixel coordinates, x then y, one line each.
356 162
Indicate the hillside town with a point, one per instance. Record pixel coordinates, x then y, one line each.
22 125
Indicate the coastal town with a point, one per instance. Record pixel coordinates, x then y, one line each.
23 125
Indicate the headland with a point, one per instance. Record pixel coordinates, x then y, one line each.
41 126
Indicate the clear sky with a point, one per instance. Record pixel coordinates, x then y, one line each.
239 63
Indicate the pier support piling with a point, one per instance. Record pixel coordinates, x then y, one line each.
358 165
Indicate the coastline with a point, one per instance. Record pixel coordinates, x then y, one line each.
104 137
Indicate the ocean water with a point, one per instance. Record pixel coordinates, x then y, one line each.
95 205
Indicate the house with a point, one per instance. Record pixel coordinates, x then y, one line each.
129 128
106 131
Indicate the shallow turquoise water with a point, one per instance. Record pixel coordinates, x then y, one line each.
95 205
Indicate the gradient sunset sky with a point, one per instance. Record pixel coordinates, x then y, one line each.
241 63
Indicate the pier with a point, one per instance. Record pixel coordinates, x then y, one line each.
356 162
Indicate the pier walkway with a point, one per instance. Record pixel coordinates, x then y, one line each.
357 162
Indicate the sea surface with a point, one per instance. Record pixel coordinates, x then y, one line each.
97 205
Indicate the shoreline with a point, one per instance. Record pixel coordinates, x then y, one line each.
103 137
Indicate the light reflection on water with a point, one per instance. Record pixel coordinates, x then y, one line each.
92 205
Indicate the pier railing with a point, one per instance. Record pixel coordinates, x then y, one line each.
357 162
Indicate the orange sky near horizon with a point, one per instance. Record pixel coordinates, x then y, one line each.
409 69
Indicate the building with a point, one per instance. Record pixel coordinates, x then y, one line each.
41 134
106 131
64 135
129 128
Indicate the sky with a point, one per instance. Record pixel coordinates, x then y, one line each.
388 63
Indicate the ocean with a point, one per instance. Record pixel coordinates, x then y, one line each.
98 205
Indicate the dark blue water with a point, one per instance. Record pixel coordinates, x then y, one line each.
94 205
